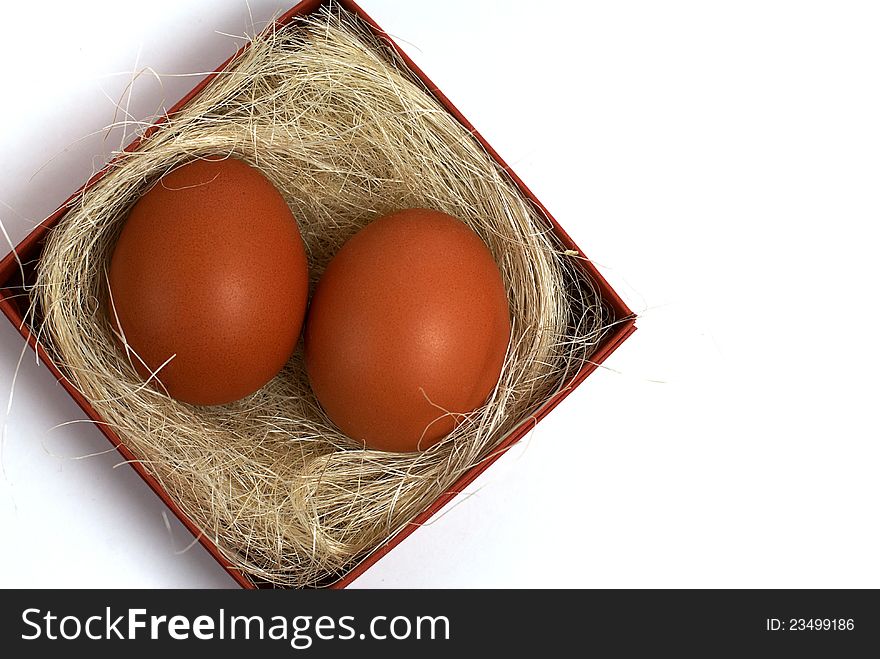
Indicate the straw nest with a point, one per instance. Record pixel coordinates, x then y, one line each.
330 114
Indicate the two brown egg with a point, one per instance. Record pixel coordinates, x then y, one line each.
406 332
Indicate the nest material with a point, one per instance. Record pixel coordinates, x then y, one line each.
329 113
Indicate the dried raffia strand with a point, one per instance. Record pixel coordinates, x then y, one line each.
329 113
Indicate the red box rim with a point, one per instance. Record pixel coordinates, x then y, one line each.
623 328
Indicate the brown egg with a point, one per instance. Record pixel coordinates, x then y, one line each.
408 328
209 281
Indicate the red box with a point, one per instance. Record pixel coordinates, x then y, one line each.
13 305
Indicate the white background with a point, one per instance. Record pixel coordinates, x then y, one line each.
718 161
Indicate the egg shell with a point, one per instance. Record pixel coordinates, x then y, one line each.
407 330
210 272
